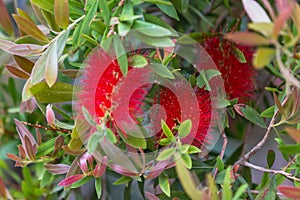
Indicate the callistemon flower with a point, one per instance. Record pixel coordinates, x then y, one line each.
238 77
102 75
168 100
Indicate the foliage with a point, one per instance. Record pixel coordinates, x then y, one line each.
56 56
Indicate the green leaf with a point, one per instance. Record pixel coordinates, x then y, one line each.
138 61
164 184
30 28
270 158
269 112
27 177
154 41
289 149
220 164
121 55
94 142
122 181
187 161
50 20
51 65
210 73
164 141
193 150
127 13
46 147
212 187
98 187
151 30
46 179
263 56
45 5
105 11
169 10
110 136
158 21
227 193
61 13
264 28
159 2
185 128
253 116
167 131
88 116
240 191
84 26
165 154
136 142
161 70
81 182
238 54
126 17
59 92
187 182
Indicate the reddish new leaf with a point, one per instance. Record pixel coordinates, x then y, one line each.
290 191
57 168
247 38
294 133
3 193
24 63
5 22
61 13
29 148
30 28
71 179
122 170
14 157
100 167
17 72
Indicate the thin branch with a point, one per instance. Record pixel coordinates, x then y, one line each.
262 169
221 155
46 127
261 143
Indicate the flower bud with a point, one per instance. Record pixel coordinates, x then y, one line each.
50 116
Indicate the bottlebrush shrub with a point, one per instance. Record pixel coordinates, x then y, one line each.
235 64
102 76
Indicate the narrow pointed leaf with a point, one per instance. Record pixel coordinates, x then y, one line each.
61 13
247 38
30 28
71 179
51 65
185 128
164 184
57 168
24 63
5 22
17 72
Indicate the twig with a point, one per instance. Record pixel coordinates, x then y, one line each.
221 155
262 169
45 127
261 143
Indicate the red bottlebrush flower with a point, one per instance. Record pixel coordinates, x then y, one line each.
102 75
168 100
238 77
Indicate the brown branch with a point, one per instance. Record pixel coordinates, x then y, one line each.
262 169
261 143
46 127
